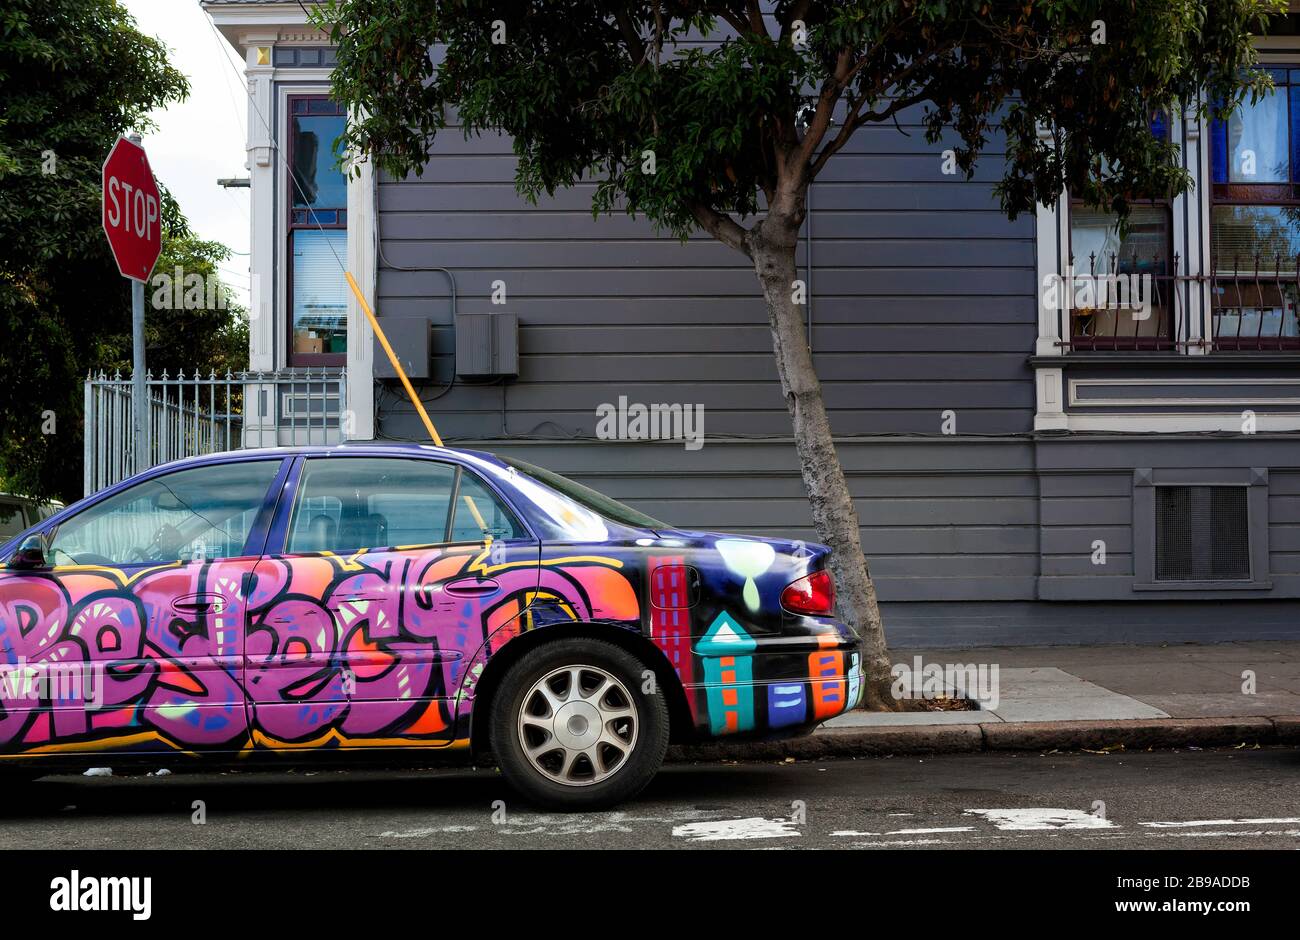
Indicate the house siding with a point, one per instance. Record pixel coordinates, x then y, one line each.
924 301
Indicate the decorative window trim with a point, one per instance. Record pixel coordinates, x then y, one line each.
1190 232
284 91
309 222
1171 398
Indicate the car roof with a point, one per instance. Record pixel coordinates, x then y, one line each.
386 448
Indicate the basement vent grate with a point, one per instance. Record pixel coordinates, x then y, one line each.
1202 533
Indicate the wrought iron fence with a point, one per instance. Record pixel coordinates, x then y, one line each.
1134 303
194 415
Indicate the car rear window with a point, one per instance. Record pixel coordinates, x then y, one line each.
597 502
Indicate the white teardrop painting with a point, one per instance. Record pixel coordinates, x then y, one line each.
749 560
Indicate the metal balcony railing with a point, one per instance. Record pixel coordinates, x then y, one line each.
194 415
1119 304
1255 307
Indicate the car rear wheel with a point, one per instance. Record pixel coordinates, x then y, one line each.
13 778
572 728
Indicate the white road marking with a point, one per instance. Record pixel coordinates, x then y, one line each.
755 827
422 833
1194 823
567 824
1038 818
1202 834
922 832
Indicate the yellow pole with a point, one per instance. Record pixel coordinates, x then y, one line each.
392 357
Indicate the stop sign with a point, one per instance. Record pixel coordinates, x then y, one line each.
132 210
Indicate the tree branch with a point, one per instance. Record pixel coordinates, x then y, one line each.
825 110
735 22
722 227
856 118
868 117
636 47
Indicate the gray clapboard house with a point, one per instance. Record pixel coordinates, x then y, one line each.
1026 470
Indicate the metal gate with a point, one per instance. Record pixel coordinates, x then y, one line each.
194 415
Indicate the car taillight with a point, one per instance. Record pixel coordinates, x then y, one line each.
812 594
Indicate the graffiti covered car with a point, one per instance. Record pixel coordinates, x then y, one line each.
365 598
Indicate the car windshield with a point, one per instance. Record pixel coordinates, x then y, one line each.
598 503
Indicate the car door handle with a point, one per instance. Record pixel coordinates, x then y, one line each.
197 603
471 587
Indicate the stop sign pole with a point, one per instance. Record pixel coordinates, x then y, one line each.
133 224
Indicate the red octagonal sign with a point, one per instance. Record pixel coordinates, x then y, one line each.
132 210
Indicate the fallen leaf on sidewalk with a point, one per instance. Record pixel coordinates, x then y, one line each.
1108 749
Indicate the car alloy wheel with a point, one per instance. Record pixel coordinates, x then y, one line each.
578 725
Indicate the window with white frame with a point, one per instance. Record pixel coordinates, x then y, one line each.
1109 263
1255 220
318 234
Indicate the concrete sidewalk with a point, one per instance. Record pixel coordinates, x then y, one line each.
1072 697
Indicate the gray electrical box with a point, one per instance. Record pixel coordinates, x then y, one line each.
409 337
487 345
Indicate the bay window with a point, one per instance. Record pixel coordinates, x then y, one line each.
1105 261
1255 220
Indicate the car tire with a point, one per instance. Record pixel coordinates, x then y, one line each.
16 778
607 736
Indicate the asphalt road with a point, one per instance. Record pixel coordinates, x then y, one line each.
1172 799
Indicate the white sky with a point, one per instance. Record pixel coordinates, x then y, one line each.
202 138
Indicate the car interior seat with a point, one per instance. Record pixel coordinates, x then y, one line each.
320 534
367 531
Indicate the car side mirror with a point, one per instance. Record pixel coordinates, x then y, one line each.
31 554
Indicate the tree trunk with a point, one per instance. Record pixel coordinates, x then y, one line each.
771 244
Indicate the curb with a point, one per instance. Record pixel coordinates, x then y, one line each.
1137 734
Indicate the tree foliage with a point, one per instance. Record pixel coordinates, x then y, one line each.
588 89
74 74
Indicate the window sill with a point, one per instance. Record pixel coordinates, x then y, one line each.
1122 359
1203 586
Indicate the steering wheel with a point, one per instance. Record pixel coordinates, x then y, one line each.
165 544
133 555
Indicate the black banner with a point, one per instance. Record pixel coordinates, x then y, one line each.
130 891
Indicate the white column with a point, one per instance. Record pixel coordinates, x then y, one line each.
1050 392
1052 235
1199 261
263 160
363 264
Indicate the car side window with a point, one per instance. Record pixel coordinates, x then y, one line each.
480 514
11 519
199 514
346 504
